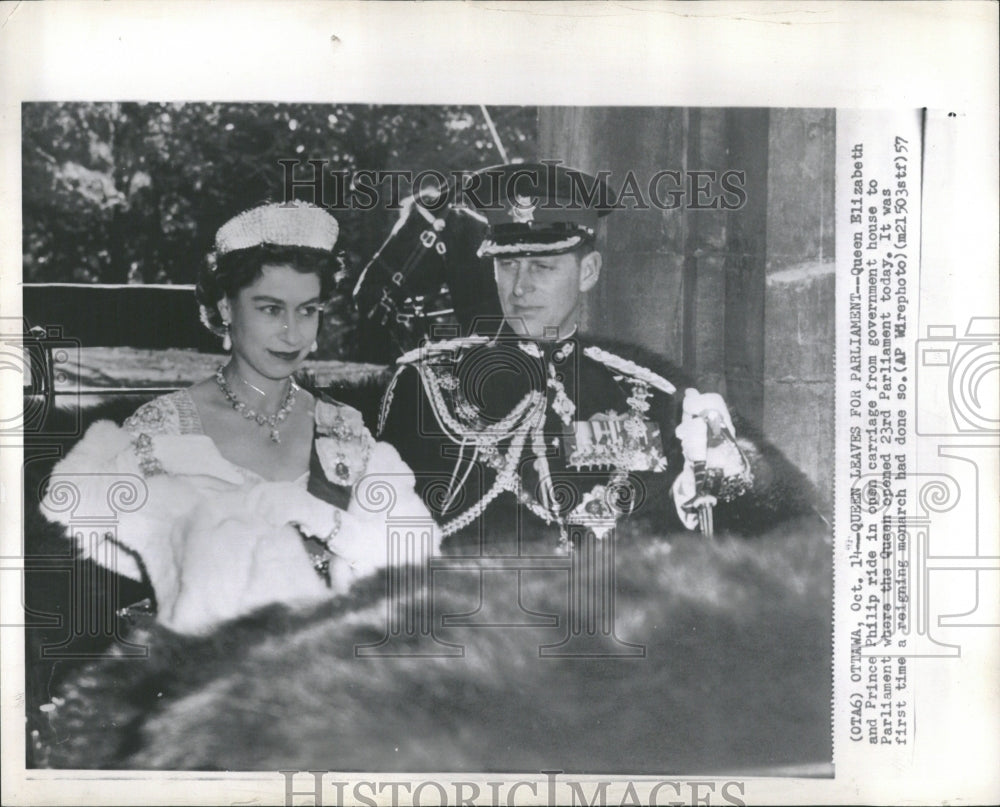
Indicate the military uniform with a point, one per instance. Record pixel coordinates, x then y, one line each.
517 443
499 452
521 440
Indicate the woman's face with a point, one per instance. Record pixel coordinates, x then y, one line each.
274 321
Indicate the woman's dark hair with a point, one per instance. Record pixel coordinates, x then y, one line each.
225 275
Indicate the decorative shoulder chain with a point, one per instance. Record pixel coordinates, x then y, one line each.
630 368
506 480
416 355
488 434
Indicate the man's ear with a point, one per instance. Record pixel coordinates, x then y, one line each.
590 270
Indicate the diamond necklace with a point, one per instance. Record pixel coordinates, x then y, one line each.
262 420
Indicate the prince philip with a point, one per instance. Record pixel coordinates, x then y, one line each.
530 432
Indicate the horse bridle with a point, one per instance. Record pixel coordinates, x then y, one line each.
431 238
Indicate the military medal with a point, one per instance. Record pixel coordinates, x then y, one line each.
595 513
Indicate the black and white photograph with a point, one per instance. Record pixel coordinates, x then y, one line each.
397 445
636 590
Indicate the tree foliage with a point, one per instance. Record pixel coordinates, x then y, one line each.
134 192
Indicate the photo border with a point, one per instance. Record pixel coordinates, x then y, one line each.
933 55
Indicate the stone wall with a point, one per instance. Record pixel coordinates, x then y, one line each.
743 299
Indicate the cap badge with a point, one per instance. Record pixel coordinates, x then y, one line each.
523 209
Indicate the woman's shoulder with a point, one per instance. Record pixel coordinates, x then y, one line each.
173 413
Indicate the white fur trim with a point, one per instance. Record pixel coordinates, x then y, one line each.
84 488
215 547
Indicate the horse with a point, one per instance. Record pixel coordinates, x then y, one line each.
426 280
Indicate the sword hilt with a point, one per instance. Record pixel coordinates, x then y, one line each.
703 502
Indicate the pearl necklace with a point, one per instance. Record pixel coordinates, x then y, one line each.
262 420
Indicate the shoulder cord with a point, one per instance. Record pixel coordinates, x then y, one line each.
453 488
390 390
526 418
541 464
506 480
489 435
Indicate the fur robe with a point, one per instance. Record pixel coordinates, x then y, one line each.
214 543
735 676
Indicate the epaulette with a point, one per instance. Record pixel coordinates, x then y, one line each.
629 368
437 348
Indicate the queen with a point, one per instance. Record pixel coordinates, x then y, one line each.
249 483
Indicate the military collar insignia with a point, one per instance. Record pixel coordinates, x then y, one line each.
561 351
565 350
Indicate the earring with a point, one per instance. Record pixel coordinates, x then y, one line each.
227 343
314 346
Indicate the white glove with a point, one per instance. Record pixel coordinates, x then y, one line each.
704 420
707 407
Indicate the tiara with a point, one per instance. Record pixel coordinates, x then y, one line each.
283 224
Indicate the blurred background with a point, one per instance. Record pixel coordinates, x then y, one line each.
132 193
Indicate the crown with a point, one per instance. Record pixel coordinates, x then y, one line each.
283 224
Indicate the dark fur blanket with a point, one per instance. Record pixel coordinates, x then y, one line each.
736 675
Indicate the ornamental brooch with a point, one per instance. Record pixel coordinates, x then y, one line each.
343 444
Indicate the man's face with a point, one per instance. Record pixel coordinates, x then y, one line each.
540 295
